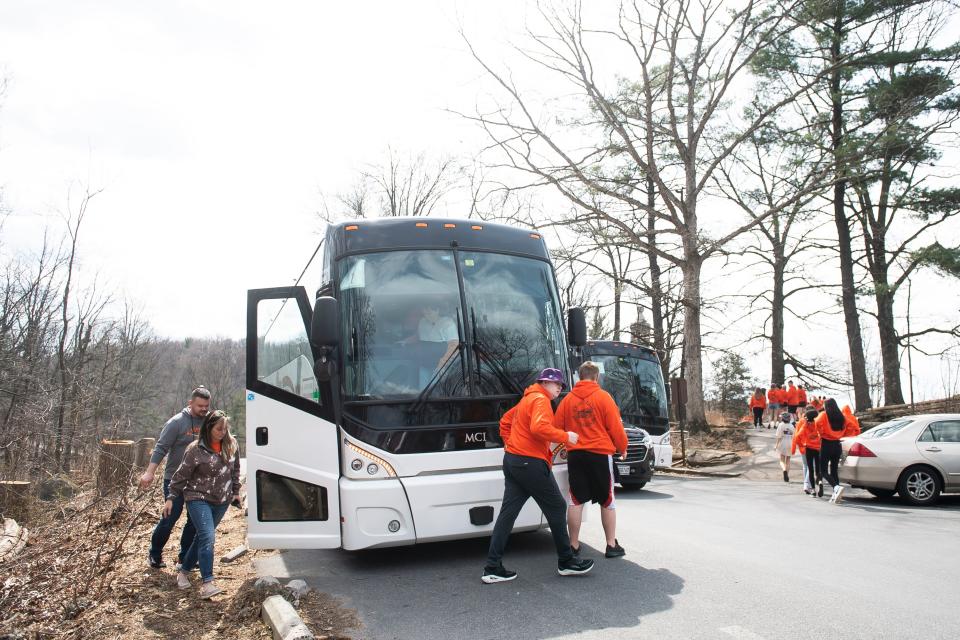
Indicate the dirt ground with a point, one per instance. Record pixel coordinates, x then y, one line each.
84 575
722 438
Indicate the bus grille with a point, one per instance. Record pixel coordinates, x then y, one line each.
635 451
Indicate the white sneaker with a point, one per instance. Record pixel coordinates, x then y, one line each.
183 580
838 495
208 590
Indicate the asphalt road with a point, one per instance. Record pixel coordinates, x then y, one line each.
706 558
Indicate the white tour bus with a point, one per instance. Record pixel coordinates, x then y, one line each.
372 416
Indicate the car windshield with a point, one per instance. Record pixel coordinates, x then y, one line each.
407 334
887 428
636 385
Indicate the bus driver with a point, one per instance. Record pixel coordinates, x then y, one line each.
435 328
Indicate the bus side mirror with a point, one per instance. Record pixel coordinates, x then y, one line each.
325 336
325 326
576 327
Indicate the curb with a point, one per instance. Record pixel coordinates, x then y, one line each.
283 620
685 471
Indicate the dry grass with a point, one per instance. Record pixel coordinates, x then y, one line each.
84 575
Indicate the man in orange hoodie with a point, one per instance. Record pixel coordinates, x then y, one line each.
592 414
527 431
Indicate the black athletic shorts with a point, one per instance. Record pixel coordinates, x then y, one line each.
591 478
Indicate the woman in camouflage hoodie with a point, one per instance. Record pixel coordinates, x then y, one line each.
208 479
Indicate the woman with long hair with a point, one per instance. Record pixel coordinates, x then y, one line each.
832 425
208 479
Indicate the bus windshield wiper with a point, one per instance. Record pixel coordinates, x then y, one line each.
435 380
481 351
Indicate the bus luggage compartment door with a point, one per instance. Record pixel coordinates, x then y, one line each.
441 504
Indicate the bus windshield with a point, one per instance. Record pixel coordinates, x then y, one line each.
411 330
636 385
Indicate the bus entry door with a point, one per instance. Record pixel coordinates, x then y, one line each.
293 464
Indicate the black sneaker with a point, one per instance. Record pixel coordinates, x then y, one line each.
819 489
786 477
615 551
156 563
574 567
497 574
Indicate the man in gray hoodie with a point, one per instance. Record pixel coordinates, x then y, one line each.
177 433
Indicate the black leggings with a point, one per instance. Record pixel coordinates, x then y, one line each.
830 451
813 464
758 416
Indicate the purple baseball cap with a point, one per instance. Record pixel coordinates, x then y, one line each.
552 375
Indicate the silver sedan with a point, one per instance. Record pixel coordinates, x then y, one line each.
915 456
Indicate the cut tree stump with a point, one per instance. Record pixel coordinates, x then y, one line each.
15 499
144 450
13 539
116 465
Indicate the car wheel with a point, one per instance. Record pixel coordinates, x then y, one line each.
633 486
882 493
919 485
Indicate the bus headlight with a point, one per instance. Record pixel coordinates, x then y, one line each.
375 464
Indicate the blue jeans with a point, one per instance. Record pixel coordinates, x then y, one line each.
206 517
161 533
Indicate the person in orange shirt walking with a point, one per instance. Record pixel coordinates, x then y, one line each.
592 414
832 425
806 439
775 401
792 395
758 403
801 399
527 431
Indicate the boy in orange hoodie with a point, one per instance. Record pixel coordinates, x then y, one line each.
527 431
591 413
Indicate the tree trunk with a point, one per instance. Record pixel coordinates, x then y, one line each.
656 290
889 346
692 344
15 500
144 451
116 465
776 313
617 293
858 363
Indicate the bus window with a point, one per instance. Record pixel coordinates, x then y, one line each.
284 359
512 310
402 325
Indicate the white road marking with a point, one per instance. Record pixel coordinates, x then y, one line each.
737 631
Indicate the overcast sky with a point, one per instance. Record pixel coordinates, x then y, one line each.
215 127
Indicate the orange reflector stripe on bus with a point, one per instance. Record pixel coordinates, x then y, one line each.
535 236
421 224
476 227
449 226
351 227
